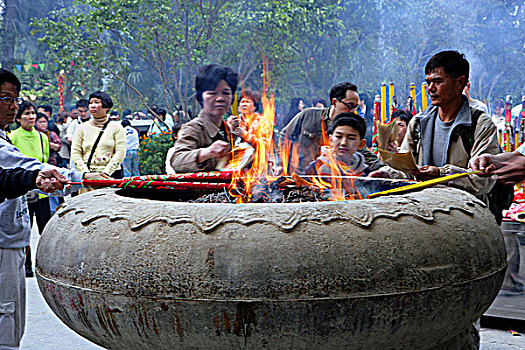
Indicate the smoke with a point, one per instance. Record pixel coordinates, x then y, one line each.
490 33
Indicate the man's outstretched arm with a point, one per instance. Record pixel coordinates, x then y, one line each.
509 167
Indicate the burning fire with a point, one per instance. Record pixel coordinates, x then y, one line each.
338 182
263 155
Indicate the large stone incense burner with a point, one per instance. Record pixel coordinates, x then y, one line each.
400 272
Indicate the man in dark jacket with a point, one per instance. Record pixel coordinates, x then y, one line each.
308 130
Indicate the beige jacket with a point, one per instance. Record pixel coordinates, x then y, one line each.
485 141
110 151
197 134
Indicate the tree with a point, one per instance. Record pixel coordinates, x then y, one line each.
150 51
108 38
9 17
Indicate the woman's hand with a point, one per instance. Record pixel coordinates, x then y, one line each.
97 176
55 146
381 174
234 123
216 150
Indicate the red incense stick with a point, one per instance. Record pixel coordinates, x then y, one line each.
168 185
211 176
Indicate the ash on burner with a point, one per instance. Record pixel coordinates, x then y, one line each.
283 190
288 195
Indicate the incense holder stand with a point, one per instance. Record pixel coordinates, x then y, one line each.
399 272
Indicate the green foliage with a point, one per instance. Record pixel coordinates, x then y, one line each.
152 153
146 52
109 40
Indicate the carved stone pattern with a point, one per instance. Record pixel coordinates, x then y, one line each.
422 205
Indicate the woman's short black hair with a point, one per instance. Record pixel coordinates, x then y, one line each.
209 77
21 109
252 95
352 120
8 77
107 102
499 103
160 111
62 117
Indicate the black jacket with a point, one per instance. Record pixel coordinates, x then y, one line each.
16 182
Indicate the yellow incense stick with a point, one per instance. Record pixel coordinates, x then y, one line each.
424 184
234 107
424 93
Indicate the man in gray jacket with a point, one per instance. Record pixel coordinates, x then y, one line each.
15 229
444 137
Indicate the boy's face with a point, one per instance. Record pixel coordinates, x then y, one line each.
345 141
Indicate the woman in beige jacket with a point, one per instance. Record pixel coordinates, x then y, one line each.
205 139
111 150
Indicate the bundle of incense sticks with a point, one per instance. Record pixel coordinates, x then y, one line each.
198 181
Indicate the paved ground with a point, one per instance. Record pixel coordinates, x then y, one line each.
44 331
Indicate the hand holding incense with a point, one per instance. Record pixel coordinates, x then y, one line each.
424 184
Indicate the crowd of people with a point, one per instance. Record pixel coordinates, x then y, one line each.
91 141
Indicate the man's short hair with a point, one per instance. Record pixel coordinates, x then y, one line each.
83 103
453 63
317 100
107 102
209 76
252 95
125 122
8 77
352 120
339 91
41 115
403 115
46 108
126 112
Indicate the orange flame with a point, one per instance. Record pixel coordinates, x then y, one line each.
261 135
260 129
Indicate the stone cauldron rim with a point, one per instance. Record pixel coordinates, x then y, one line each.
359 212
